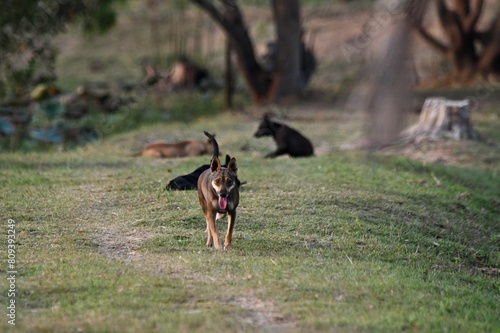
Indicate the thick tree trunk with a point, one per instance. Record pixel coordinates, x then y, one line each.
287 77
440 118
229 76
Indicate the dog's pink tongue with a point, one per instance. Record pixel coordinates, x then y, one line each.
222 203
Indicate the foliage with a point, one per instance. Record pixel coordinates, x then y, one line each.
53 122
26 28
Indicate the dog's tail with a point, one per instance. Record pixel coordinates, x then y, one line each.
214 143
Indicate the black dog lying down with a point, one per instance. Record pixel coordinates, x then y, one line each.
187 182
190 181
289 141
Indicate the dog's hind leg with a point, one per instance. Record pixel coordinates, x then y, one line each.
231 219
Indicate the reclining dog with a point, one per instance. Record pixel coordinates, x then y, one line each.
190 181
161 149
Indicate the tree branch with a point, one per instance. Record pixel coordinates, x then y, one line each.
470 22
462 8
445 15
232 22
209 7
433 41
492 49
451 23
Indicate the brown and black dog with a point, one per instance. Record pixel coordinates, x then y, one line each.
219 195
160 149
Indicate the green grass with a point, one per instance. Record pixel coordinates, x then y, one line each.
341 242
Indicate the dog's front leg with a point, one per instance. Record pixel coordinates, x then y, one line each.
231 219
210 240
212 233
278 152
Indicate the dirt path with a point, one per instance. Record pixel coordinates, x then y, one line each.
126 245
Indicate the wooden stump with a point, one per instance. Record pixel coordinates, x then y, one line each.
443 118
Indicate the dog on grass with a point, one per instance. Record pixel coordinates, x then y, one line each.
161 149
190 181
219 195
187 182
288 140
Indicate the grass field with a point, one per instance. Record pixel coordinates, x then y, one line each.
392 241
343 242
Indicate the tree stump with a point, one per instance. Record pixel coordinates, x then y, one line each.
443 118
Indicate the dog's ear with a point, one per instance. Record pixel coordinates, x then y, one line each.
232 166
215 164
228 158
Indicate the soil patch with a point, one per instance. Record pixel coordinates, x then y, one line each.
262 314
121 244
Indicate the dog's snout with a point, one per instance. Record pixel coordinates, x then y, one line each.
223 194
258 134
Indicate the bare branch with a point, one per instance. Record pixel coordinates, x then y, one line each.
462 8
445 15
492 50
433 41
467 15
473 17
232 22
209 7
451 23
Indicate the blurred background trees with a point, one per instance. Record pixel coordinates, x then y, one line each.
284 49
27 56
291 61
472 50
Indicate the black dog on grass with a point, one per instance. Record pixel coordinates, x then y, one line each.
289 141
190 181
187 182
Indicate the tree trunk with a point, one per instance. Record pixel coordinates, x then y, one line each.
229 76
490 59
440 118
293 65
232 22
287 76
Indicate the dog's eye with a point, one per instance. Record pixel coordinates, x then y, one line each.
229 182
217 181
